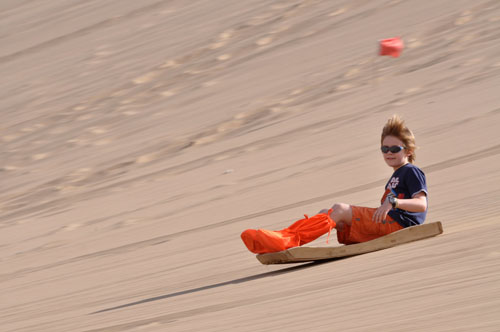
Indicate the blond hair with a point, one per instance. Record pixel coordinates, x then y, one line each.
395 126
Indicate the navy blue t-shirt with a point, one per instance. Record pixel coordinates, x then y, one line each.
406 182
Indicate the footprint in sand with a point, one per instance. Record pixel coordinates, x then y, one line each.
251 149
413 43
147 158
259 20
79 174
226 34
224 57
130 113
338 12
222 39
296 92
126 101
279 29
39 156
170 64
103 53
472 61
221 157
209 84
217 45
78 141
167 93
102 142
394 2
8 168
148 77
465 17
85 117
399 102
279 6
79 108
97 130
264 41
146 26
9 138
352 73
205 140
39 142
412 90
71 227
343 87
119 93
286 101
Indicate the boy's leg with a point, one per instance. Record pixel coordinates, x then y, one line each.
362 227
341 214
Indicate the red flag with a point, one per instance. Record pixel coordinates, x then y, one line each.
391 46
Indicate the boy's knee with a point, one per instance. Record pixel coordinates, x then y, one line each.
341 207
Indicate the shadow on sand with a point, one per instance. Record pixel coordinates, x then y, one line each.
221 284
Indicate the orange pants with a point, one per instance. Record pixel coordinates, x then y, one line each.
364 229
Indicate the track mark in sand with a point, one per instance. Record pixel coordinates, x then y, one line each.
82 32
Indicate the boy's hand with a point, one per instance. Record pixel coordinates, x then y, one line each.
382 211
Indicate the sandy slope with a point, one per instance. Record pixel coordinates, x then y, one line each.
139 138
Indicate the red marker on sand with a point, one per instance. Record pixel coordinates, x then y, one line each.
391 46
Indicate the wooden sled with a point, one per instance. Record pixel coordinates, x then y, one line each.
307 254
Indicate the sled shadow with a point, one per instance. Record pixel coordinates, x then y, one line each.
221 284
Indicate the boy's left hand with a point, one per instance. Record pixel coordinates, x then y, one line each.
382 211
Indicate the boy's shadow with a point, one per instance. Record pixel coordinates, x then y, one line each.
221 284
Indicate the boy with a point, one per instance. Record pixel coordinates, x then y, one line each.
404 202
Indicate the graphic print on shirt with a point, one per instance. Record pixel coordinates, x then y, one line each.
393 183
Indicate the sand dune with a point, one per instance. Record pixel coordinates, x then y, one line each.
139 139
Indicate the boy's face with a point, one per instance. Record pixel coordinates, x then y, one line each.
397 159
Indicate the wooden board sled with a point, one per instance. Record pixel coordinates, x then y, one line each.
307 254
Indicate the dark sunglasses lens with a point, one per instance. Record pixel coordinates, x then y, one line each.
393 149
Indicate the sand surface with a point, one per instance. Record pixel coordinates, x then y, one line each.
140 138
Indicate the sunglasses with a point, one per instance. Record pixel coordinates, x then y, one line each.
393 149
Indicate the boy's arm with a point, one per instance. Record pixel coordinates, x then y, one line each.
417 203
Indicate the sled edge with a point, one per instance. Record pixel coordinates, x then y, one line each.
307 254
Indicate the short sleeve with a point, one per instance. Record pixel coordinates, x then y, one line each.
416 181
